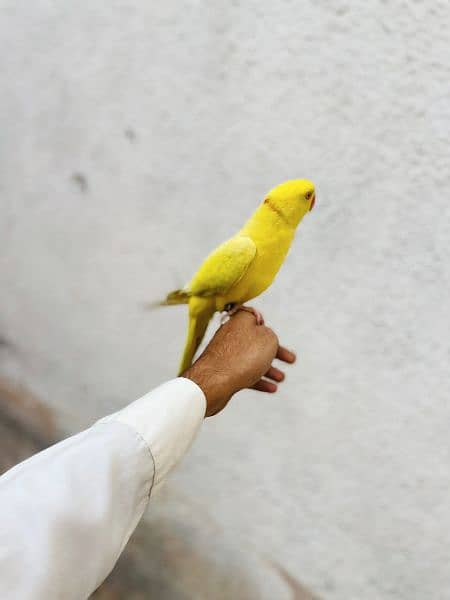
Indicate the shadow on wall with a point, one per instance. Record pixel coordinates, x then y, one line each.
159 563
164 559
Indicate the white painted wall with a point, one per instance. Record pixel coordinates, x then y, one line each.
136 136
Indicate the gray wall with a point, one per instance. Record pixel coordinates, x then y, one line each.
134 138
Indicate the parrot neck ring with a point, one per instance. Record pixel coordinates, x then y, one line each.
275 209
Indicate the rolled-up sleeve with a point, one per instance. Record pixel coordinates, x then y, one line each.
67 512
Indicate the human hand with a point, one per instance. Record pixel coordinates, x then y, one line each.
239 356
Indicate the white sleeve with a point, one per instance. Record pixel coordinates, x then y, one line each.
67 512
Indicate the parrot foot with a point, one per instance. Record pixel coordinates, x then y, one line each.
232 309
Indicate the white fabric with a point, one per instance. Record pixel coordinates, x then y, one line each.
67 512
176 408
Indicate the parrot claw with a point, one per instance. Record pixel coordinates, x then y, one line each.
231 310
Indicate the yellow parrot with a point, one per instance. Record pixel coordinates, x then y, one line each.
244 266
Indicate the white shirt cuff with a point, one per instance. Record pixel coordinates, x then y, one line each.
167 418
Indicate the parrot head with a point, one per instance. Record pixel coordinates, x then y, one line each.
292 199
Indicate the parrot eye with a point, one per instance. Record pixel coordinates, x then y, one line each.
308 195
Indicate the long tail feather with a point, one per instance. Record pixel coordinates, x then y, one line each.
175 297
199 317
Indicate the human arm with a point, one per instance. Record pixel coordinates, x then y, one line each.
67 512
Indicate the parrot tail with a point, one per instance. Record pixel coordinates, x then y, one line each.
200 312
175 297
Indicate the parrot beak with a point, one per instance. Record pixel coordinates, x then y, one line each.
313 201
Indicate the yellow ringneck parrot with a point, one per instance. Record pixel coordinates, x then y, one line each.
244 266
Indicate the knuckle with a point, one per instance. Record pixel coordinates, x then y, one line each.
272 336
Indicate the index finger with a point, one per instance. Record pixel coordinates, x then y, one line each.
285 355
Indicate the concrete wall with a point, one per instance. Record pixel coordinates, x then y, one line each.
136 136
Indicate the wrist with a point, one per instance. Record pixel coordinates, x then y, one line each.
215 384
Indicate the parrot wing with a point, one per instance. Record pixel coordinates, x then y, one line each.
223 268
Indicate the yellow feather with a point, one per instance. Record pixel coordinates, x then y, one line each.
200 312
244 266
224 267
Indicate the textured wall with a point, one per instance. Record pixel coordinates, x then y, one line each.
134 137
